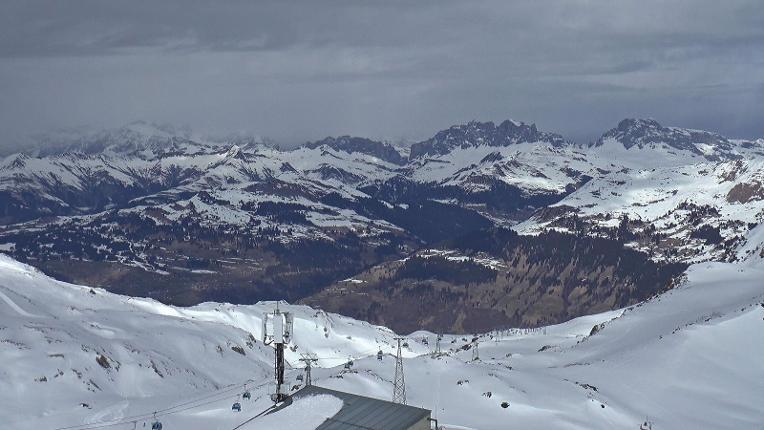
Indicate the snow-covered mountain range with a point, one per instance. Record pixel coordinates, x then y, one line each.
637 261
679 195
155 211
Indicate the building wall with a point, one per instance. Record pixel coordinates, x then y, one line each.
423 424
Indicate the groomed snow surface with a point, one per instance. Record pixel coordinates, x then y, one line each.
72 356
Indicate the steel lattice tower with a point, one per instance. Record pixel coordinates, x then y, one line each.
399 386
308 359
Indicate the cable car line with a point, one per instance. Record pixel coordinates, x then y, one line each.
191 404
147 416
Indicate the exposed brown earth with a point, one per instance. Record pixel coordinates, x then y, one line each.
531 283
746 192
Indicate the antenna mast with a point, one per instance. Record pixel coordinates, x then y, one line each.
399 387
277 329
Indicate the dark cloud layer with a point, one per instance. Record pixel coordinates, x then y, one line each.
297 70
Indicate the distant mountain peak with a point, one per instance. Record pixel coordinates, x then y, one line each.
648 133
636 132
476 133
351 144
628 123
233 151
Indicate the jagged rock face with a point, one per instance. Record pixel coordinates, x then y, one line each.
381 150
482 133
642 133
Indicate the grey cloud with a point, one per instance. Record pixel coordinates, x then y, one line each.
299 70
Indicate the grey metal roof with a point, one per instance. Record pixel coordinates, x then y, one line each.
359 412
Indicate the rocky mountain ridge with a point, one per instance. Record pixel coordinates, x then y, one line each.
476 133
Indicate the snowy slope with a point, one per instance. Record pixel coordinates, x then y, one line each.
67 345
535 167
687 359
63 345
646 143
688 195
678 202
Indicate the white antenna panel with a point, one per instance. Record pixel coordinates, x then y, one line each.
278 328
288 329
265 327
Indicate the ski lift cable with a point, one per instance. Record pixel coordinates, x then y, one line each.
164 412
148 416
167 411
216 396
174 409
170 411
363 353
360 354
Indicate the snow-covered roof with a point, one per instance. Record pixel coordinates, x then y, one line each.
359 412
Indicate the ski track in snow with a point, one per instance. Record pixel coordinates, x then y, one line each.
14 306
111 413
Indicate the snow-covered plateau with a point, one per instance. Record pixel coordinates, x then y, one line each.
76 357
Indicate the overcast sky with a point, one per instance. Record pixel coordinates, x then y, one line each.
300 70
